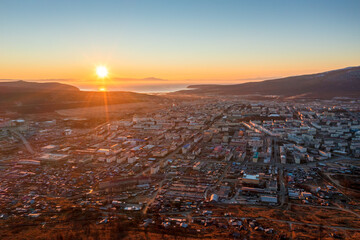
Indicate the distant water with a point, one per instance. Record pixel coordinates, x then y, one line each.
163 88
158 89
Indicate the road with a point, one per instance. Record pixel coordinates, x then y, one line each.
339 208
334 185
23 139
283 221
282 192
152 199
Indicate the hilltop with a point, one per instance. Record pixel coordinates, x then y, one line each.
30 97
337 83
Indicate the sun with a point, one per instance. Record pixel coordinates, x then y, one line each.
101 71
102 89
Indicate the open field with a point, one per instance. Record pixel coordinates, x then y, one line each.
115 110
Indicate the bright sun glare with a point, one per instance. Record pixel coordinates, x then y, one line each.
102 89
101 71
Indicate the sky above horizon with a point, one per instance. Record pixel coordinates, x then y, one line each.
175 42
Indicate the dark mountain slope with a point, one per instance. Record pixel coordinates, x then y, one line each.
29 97
23 86
342 82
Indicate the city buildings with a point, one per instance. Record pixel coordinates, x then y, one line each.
188 159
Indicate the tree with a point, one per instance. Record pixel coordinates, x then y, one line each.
59 236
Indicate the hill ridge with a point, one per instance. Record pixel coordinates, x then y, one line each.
334 83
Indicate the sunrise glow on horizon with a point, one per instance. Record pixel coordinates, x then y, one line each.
182 42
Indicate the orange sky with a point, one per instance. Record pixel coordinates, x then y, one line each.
83 75
183 42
